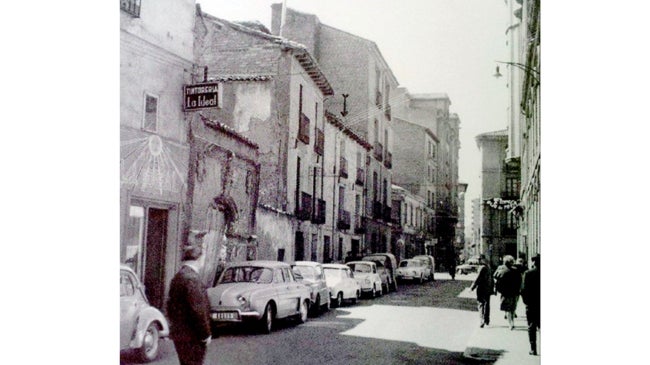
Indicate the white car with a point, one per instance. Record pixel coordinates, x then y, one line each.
311 274
341 284
413 269
367 276
141 325
431 264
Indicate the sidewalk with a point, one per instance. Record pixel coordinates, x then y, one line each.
497 342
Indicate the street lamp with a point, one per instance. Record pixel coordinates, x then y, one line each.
528 70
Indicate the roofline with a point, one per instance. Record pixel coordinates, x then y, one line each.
302 55
370 43
334 120
427 130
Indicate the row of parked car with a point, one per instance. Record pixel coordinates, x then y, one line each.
261 292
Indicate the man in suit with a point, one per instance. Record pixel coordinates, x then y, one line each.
188 309
530 293
484 290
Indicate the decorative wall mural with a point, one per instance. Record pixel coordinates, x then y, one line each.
152 164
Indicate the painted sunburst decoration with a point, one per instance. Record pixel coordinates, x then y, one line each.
149 163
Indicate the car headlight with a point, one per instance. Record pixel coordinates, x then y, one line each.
242 301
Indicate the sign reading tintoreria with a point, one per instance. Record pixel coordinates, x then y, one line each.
199 96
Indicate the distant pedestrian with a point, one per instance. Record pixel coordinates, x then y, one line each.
484 290
530 293
188 309
452 266
508 284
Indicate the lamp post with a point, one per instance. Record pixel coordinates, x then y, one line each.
528 70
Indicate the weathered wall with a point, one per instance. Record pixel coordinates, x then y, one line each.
274 231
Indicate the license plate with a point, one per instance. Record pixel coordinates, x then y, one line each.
225 315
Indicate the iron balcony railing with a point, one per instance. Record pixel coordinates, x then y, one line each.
319 211
343 167
379 150
377 210
131 6
344 220
388 161
360 177
303 129
319 146
303 211
360 223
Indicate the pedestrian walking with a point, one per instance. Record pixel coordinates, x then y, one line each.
530 293
508 284
188 309
484 290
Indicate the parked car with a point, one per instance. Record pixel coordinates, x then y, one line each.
311 274
390 262
258 291
341 283
412 269
466 268
367 276
141 325
431 264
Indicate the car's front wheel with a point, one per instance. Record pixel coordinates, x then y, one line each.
339 300
149 349
266 322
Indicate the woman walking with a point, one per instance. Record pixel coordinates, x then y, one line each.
508 284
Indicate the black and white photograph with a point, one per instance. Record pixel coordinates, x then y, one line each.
323 182
330 182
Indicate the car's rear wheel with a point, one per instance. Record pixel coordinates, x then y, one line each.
304 311
149 349
266 322
316 306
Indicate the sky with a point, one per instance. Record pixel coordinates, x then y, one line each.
432 46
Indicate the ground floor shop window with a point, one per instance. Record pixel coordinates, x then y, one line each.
134 238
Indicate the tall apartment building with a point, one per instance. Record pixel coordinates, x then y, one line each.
156 38
499 192
431 110
364 85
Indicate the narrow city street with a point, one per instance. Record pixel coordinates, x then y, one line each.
418 324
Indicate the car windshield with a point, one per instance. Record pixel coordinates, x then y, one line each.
334 274
307 272
410 263
247 274
363 268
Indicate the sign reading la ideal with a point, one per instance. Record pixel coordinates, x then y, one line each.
199 96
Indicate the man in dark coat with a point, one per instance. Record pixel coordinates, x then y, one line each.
484 290
530 294
188 310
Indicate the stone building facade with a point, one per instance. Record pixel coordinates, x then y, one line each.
364 85
156 39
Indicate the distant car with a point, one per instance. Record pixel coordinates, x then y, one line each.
311 274
258 291
465 269
412 269
367 276
341 283
141 325
431 264
390 262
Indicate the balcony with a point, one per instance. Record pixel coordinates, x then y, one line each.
388 162
303 129
343 167
303 211
387 111
509 195
378 99
319 146
360 223
319 211
386 214
131 6
377 210
344 220
360 177
379 150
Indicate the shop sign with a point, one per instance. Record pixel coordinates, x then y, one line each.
200 96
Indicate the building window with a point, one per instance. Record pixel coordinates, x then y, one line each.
131 6
150 122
